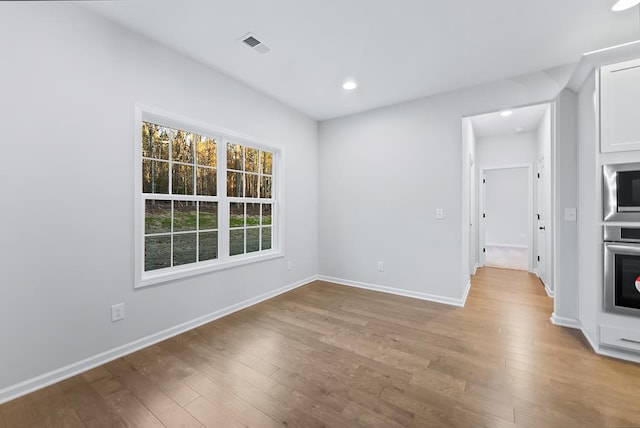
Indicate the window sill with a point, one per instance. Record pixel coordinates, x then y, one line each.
158 277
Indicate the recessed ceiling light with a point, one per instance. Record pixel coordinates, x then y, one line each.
507 113
624 5
350 84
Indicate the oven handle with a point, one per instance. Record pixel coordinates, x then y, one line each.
623 247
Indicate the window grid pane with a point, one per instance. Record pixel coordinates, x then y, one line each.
179 231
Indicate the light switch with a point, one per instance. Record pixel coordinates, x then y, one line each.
439 213
570 214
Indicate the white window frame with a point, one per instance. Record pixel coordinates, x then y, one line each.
224 261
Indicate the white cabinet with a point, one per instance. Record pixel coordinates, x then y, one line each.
620 106
626 339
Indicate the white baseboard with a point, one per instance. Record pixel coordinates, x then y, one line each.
593 343
600 350
549 292
396 291
566 322
46 379
475 268
520 247
615 353
466 293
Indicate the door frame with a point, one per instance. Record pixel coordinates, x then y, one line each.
542 275
530 213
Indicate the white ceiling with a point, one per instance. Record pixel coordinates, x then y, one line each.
396 50
492 124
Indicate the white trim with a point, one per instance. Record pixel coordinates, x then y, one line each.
475 268
465 294
602 350
566 322
57 375
592 342
549 292
611 48
397 291
614 353
198 269
507 246
171 119
597 58
222 136
530 216
510 166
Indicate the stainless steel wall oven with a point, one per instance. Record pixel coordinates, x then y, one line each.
621 192
622 269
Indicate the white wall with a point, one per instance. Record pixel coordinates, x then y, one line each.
589 229
506 150
384 172
506 196
566 196
543 136
470 168
68 83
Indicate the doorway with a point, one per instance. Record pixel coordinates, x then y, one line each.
506 223
510 149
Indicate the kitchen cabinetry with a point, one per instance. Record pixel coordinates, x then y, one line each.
620 106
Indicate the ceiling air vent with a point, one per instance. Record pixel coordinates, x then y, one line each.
251 40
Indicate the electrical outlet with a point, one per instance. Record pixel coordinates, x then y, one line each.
289 265
117 312
380 266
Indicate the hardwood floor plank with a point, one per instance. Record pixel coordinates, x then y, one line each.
167 374
331 399
442 382
47 407
89 405
131 410
247 378
163 408
375 404
326 417
325 355
235 406
366 417
212 415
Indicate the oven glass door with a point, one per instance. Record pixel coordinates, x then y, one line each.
628 191
622 277
627 292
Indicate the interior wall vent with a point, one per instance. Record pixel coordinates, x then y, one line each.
252 41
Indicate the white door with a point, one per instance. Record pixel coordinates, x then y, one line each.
481 218
472 217
506 218
542 228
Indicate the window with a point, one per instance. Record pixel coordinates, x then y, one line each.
249 181
207 200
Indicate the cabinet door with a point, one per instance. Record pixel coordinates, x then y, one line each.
620 106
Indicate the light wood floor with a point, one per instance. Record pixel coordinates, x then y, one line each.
328 355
